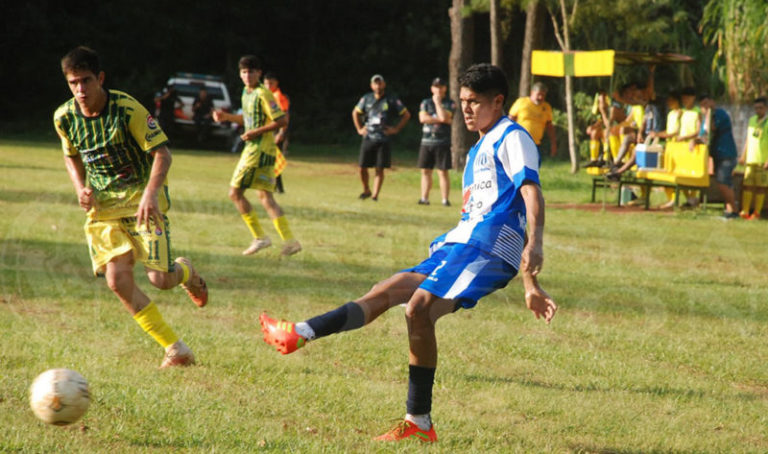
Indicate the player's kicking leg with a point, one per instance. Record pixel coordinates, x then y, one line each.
288 337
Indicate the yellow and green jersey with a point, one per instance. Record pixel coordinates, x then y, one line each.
259 109
757 140
115 148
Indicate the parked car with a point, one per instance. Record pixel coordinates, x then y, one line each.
187 87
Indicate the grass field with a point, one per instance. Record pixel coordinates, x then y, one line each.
659 344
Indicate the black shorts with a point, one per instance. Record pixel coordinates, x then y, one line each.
431 156
375 154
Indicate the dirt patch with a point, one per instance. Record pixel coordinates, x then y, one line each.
609 208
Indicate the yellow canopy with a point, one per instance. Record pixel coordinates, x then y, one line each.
575 63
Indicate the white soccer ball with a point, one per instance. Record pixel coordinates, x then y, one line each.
59 396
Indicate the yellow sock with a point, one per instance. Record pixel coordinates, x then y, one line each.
253 224
185 270
746 200
759 200
153 324
594 149
281 225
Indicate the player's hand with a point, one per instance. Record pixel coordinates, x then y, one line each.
85 198
532 259
363 131
251 134
218 116
149 211
541 304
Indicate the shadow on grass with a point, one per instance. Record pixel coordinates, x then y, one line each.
588 449
660 390
38 267
42 196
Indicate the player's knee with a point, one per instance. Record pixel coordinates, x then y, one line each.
235 194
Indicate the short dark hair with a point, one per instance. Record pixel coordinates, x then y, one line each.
761 99
485 79
271 76
81 58
688 91
249 62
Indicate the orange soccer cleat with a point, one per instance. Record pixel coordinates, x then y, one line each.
281 334
406 429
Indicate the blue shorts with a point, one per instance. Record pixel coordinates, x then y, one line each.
724 170
463 273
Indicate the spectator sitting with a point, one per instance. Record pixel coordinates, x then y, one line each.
670 135
648 127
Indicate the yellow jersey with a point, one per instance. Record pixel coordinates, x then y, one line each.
532 117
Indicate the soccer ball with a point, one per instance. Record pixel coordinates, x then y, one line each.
59 396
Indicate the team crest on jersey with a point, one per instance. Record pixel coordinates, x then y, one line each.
273 105
483 161
151 122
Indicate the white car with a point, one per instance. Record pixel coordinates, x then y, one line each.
188 87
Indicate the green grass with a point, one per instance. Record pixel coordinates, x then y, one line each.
659 344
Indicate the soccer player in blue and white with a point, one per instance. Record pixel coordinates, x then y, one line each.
501 196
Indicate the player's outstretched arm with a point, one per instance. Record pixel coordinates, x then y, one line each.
537 300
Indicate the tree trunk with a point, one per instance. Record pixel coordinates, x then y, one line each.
534 23
462 43
497 54
571 125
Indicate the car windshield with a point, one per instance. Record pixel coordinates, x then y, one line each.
193 89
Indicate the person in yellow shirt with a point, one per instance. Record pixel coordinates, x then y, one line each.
261 117
535 115
755 157
118 160
690 128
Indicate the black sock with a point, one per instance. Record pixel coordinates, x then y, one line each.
420 381
344 318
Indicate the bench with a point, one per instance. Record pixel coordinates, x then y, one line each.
682 169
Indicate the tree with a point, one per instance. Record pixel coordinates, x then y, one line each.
563 38
462 42
739 28
496 38
532 39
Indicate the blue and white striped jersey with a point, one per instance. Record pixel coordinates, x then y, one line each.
493 212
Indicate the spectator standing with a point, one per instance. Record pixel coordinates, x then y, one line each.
535 115
168 101
202 113
722 148
372 117
755 157
436 115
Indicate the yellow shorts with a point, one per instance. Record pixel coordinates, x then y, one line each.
255 170
111 238
755 175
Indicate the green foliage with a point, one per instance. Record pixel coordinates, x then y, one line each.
739 29
582 103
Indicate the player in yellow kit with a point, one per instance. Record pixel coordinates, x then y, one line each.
755 158
118 161
260 118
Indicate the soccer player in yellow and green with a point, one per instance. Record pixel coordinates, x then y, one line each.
118 161
261 117
755 157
